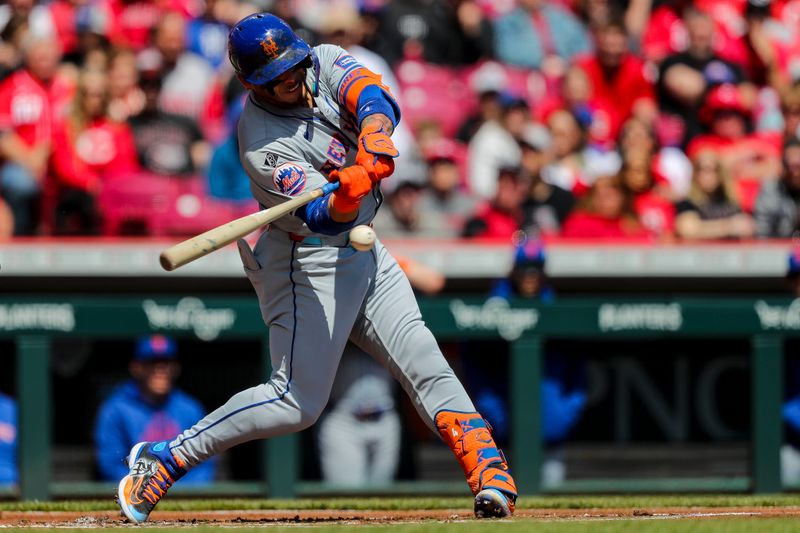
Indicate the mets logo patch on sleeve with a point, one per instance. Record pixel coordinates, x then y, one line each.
289 178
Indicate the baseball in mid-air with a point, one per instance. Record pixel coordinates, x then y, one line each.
362 238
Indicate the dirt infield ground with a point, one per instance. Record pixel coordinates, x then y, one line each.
173 519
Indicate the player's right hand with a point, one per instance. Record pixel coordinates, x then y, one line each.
376 152
354 184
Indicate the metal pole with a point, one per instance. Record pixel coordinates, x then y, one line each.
767 397
33 385
526 414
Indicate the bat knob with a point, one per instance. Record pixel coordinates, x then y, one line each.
166 262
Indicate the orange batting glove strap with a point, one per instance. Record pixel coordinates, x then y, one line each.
483 463
376 152
354 184
375 140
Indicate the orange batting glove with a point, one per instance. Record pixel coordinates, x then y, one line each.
376 152
354 184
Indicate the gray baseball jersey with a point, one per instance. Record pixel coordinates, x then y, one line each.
318 295
286 152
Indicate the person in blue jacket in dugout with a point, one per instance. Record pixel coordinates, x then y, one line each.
147 407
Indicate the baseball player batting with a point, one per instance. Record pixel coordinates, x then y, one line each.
314 115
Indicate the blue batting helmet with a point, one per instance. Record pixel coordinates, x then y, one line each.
261 47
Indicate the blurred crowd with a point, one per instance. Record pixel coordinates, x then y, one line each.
650 120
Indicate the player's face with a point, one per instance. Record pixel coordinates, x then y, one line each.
287 90
157 377
528 284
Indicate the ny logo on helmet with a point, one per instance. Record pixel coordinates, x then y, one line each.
269 46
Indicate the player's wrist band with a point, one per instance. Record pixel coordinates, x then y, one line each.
373 100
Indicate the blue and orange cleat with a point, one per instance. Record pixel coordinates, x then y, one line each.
498 492
493 503
153 470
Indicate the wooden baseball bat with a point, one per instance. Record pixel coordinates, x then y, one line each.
214 239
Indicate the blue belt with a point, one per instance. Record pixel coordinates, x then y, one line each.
337 241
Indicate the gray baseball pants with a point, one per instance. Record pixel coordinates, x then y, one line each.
314 299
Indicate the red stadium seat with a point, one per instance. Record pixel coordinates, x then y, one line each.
530 85
156 205
433 92
136 203
192 211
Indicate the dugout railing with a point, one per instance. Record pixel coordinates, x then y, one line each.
33 323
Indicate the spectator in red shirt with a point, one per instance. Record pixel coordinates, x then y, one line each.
655 212
595 116
29 100
751 156
88 148
606 211
666 31
501 217
711 210
614 71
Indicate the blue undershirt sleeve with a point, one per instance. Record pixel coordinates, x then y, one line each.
373 100
318 218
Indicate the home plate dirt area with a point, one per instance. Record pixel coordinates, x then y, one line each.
172 519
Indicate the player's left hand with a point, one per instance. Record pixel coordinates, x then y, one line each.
376 152
354 184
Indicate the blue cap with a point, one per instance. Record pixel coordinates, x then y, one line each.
155 347
510 100
529 256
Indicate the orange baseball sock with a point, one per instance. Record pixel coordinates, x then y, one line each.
469 436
